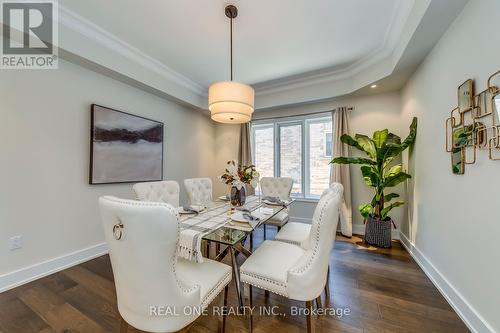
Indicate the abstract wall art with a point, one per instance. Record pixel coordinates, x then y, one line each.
124 148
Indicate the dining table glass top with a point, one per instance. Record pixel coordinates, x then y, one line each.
229 235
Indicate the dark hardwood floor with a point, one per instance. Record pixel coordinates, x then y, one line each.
384 290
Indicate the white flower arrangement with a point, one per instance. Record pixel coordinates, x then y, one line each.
239 175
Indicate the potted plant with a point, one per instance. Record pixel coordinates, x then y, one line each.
237 176
379 173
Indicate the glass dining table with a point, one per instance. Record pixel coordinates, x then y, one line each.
234 239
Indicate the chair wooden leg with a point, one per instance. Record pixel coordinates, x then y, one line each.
251 241
327 285
123 326
224 313
309 319
248 288
217 249
208 249
266 293
318 302
265 236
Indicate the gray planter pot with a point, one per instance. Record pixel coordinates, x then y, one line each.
378 232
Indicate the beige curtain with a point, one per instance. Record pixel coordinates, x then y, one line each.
245 151
340 173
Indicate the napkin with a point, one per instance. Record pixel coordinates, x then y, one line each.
250 217
191 209
274 200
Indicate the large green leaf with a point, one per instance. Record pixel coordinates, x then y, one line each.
387 209
365 210
396 179
394 147
349 140
387 198
370 176
380 137
390 196
393 171
410 139
353 160
367 145
388 152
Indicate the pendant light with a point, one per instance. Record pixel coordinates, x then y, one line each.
228 101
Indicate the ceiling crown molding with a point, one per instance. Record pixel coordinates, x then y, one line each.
384 50
71 21
84 43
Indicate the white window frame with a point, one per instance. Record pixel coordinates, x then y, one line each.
277 123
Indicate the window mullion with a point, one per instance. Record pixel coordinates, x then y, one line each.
277 155
306 162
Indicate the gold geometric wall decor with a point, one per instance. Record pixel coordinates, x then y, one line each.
465 96
496 109
474 124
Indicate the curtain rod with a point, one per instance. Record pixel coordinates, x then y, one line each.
351 108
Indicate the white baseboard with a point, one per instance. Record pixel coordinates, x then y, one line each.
359 229
37 271
469 315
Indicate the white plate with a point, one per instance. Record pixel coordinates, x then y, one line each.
238 218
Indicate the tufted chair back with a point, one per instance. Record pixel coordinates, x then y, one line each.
199 190
280 187
165 191
144 263
308 277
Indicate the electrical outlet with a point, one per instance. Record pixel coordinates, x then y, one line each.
16 242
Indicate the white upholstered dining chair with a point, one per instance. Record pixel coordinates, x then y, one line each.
199 190
278 187
297 233
292 271
164 191
142 239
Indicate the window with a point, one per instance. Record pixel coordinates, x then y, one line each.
290 155
296 147
263 151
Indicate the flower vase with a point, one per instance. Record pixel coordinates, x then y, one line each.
238 196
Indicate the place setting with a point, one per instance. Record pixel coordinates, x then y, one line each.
246 220
191 210
275 201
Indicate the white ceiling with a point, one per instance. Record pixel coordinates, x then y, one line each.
272 39
291 51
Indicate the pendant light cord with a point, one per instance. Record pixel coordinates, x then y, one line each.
231 46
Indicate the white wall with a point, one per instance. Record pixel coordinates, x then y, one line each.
44 159
226 142
370 113
454 223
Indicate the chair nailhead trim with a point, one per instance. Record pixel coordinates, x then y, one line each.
281 284
210 295
335 192
262 287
